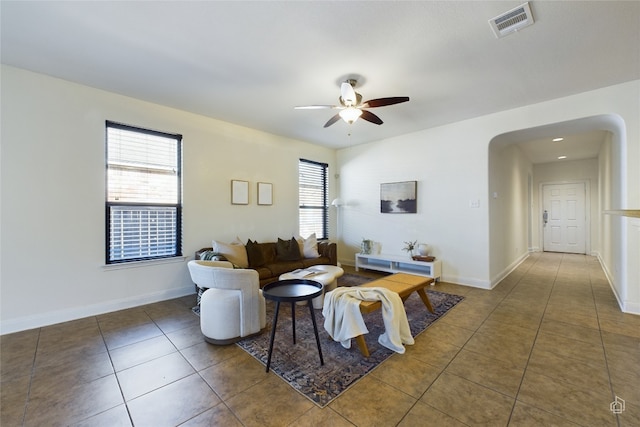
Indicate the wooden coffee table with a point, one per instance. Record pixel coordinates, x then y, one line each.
401 283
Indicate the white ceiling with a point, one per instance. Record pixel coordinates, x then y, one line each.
250 63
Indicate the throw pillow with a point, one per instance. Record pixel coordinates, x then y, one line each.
235 252
254 253
211 256
287 250
309 246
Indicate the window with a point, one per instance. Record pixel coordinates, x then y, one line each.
313 195
144 194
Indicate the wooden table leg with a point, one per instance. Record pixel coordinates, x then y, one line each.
362 345
425 299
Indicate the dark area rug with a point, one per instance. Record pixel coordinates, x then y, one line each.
299 364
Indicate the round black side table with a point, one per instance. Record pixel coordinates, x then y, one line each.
292 290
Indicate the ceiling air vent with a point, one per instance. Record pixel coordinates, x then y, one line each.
512 21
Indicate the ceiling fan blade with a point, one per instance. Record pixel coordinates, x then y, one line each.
348 94
314 107
381 102
332 120
370 117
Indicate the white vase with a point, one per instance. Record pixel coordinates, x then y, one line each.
423 249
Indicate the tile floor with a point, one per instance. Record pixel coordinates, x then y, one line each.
547 346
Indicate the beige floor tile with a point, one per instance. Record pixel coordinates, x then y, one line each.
576 332
54 378
468 402
441 331
69 405
590 353
126 335
373 403
123 318
503 377
631 415
406 373
148 376
269 403
173 404
512 349
204 355
141 352
558 314
13 400
507 330
569 370
528 416
316 417
219 415
422 414
176 320
225 381
434 352
17 353
186 337
628 325
114 417
582 406
521 316
464 317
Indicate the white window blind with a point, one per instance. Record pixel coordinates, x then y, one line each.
143 194
313 195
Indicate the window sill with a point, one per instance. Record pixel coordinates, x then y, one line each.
145 263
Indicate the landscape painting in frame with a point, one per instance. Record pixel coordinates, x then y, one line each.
398 197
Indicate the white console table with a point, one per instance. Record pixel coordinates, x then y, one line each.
399 264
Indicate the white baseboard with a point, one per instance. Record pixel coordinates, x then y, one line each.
504 273
53 317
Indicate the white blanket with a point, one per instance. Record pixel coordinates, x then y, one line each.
343 319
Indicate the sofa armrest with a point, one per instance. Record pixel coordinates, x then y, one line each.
329 250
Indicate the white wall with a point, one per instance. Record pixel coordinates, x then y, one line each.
509 173
450 164
52 187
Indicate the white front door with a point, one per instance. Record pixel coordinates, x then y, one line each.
564 220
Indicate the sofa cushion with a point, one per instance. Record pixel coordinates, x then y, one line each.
234 252
287 250
254 254
281 267
309 246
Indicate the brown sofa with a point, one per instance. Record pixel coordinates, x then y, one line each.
270 267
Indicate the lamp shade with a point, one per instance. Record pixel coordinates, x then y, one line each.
336 202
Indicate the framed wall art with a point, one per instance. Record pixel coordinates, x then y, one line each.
239 192
398 197
265 193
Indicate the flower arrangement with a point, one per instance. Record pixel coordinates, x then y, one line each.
410 246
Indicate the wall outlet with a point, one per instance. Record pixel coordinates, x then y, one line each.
474 203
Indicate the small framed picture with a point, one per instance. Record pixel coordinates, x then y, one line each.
239 192
265 193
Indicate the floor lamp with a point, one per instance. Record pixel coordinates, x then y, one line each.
337 203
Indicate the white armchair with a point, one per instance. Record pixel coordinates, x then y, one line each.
232 306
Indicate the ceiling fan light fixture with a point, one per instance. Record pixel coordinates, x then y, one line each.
350 114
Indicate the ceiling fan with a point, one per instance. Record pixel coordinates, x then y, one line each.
351 106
